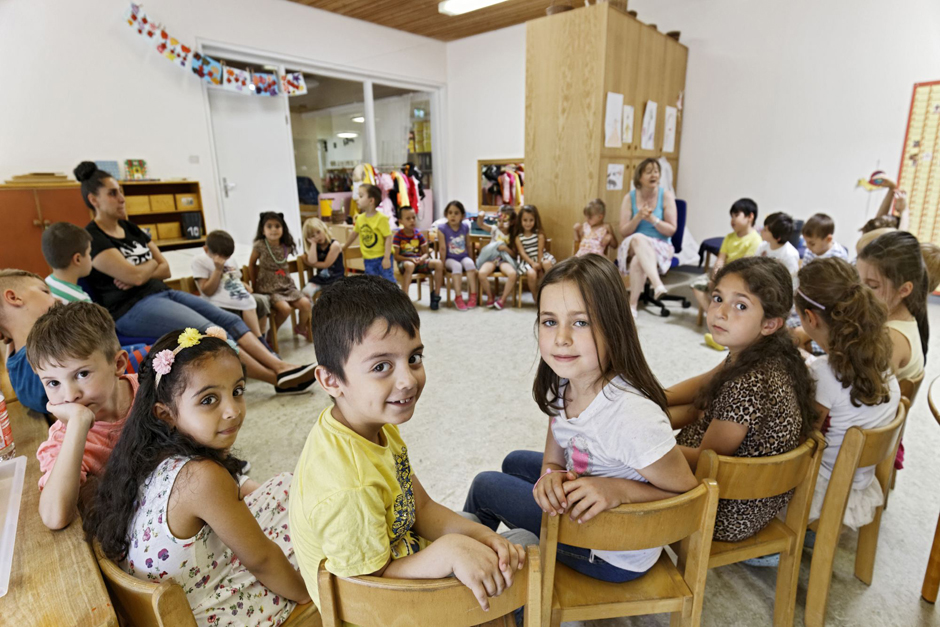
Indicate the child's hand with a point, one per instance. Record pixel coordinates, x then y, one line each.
218 261
248 287
511 556
476 566
72 412
386 263
589 496
550 494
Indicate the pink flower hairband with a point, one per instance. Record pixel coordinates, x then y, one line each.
163 361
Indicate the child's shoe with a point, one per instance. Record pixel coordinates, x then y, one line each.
435 302
767 561
499 304
458 302
303 331
711 343
473 301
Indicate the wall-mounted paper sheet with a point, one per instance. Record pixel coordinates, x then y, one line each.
628 124
615 176
612 120
648 136
669 134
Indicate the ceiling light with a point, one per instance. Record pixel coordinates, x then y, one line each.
347 135
459 7
359 119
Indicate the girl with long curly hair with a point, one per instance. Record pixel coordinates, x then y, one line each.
173 501
759 401
855 386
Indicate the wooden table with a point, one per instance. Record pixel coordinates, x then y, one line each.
55 579
932 576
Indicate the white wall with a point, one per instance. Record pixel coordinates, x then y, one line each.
790 103
485 106
81 84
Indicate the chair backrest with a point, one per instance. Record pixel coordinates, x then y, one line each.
933 399
681 215
910 387
797 233
439 602
635 527
145 604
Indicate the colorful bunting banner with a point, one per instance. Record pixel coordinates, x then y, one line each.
265 84
293 84
207 68
236 80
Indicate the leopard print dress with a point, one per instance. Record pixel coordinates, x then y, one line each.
765 401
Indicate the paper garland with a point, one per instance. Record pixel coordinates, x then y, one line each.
208 69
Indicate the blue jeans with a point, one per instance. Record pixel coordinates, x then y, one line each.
167 311
374 266
506 497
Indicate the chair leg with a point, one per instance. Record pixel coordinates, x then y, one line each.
419 288
272 324
556 619
820 572
698 319
866 549
788 575
932 576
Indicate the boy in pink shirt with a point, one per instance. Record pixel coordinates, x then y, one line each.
74 350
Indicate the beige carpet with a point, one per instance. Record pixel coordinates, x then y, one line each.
477 407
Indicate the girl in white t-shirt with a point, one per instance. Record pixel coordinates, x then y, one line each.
609 440
855 386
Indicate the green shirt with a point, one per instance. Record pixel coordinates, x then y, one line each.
66 292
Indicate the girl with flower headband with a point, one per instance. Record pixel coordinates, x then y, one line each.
173 502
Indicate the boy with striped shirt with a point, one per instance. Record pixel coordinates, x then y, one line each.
67 249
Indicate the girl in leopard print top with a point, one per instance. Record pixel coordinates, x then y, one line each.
759 401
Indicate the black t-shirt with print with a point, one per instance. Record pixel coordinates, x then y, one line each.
134 247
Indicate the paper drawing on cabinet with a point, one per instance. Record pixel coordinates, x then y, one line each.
612 120
615 176
648 134
628 124
669 133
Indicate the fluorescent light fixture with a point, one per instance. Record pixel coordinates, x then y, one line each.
459 7
359 119
347 135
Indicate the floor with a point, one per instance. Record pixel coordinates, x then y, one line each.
477 407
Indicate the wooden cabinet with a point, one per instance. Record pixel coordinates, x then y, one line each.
25 212
573 59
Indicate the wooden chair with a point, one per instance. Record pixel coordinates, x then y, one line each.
860 448
272 322
522 278
932 576
909 389
759 477
145 604
377 601
570 596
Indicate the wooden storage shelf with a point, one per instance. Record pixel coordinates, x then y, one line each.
180 242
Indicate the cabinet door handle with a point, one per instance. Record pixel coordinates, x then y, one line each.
46 223
37 223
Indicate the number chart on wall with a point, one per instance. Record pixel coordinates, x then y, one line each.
920 162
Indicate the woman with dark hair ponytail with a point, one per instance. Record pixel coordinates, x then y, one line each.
172 502
126 277
893 267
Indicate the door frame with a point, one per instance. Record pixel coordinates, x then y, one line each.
248 54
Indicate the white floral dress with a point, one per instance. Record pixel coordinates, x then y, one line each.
220 590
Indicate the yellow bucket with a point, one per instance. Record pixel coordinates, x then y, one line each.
326 207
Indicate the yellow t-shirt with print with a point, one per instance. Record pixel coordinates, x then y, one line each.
735 247
351 502
372 232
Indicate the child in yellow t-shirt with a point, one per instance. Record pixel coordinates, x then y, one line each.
354 500
373 233
742 241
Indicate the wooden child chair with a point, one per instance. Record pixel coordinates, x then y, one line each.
860 448
570 596
909 389
381 602
522 278
144 604
742 478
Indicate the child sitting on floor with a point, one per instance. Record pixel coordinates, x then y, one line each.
355 501
534 260
818 232
411 253
173 504
271 272
609 440
74 351
220 282
324 254
24 297
757 402
594 235
67 250
499 255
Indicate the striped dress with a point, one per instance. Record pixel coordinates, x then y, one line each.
530 244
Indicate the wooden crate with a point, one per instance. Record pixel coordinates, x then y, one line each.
162 203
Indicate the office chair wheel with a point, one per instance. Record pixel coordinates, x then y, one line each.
664 312
686 304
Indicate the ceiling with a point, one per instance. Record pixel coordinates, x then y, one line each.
421 17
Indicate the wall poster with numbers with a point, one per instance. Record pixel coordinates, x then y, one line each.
920 162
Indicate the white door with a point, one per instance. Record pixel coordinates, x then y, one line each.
255 161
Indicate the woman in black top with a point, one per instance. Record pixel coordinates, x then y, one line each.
127 279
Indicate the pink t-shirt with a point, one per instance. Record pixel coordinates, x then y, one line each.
98 446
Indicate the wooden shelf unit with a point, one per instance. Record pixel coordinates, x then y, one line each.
573 59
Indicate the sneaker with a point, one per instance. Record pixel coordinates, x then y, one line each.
499 304
299 375
711 343
660 292
810 540
435 302
768 561
458 302
473 301
634 312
